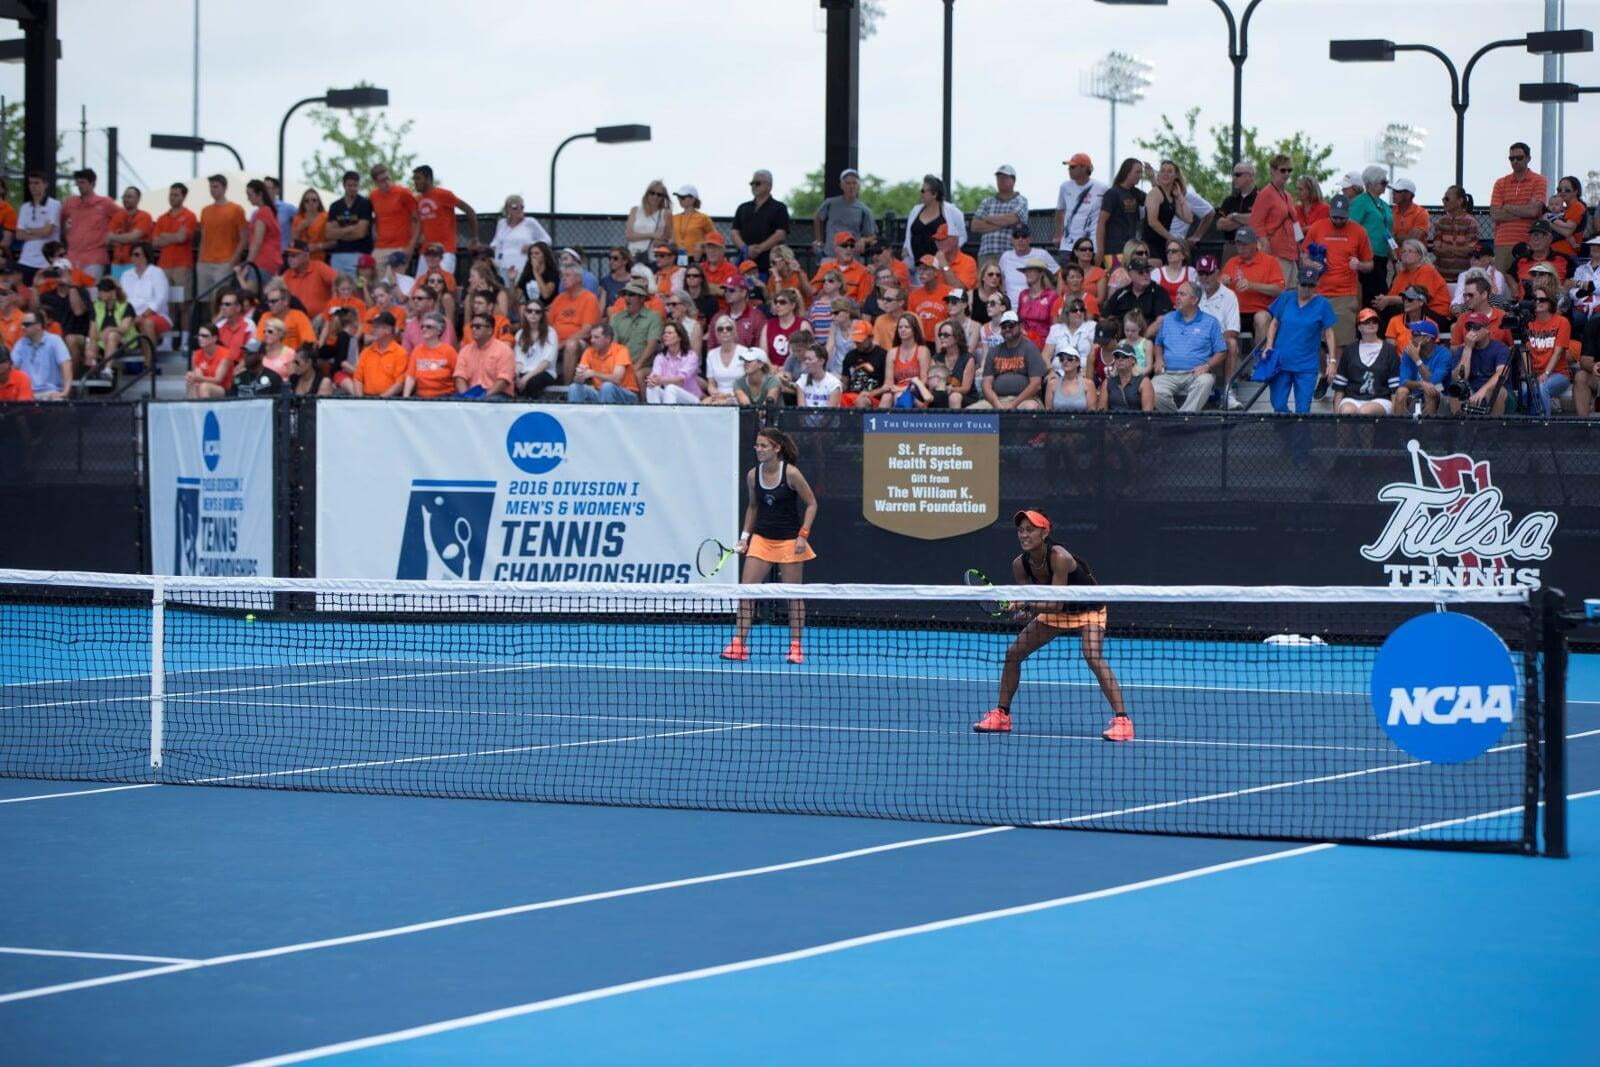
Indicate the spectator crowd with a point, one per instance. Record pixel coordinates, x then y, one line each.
1146 297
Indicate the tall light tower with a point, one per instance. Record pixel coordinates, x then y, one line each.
1399 145
1119 78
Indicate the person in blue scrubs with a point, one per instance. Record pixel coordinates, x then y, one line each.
1302 322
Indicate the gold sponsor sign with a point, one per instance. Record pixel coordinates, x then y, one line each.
931 475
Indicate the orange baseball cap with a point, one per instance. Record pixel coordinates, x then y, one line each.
860 331
844 237
1038 518
748 266
942 232
1081 159
928 261
1366 314
714 238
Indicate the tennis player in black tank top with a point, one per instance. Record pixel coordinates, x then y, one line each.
775 532
1043 562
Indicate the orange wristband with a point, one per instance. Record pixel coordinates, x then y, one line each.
805 531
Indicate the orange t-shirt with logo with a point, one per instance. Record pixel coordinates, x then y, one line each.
572 311
1547 340
222 228
178 255
394 211
616 356
378 368
1263 270
928 306
1342 244
17 386
437 209
124 222
433 368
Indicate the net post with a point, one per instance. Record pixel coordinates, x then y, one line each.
1553 639
158 671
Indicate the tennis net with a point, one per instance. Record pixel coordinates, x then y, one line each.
1251 708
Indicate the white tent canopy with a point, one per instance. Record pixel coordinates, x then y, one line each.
154 200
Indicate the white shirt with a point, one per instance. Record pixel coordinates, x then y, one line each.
818 394
542 351
510 244
953 218
1061 335
1223 306
1458 295
31 216
1199 206
1078 219
147 292
726 376
1586 272
1011 272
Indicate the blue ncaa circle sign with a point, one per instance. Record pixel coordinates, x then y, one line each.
536 443
211 441
1444 687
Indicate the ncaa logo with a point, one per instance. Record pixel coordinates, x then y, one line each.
211 441
1444 687
536 443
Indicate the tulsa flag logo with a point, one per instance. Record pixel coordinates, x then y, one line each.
1452 516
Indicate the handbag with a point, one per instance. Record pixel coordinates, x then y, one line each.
1266 367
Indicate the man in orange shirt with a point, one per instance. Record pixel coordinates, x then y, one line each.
129 226
1516 200
1476 292
223 232
571 312
381 367
383 301
959 270
1411 221
1349 255
398 227
857 278
893 302
10 316
297 329
605 373
234 328
1255 279
926 301
311 281
486 366
172 236
436 214
431 373
86 220
717 268
1540 236
14 384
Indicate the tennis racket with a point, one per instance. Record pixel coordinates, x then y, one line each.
978 580
712 556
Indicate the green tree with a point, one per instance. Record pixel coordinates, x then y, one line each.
1210 175
370 140
13 157
879 196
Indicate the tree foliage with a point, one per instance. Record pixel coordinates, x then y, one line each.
1211 175
880 196
13 157
368 141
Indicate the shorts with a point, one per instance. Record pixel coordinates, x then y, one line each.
770 551
1385 402
158 322
1073 620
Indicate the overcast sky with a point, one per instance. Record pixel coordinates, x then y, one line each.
729 85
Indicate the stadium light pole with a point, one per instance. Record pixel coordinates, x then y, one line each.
627 134
1238 52
1378 50
1119 78
342 99
1553 92
177 142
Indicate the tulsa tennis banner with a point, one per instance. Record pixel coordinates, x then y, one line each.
211 488
519 492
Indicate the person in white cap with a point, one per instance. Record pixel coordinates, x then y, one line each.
844 213
690 225
1411 221
999 213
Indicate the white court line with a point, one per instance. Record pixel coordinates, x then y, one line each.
1445 823
79 792
15 951
228 669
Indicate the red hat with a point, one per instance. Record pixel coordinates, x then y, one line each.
714 238
365 260
1477 318
1038 518
860 331
844 237
942 232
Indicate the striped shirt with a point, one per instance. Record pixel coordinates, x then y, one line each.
1516 191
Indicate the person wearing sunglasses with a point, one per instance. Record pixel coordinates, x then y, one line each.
1516 200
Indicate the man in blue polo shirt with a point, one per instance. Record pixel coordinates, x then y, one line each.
1481 362
44 358
1187 352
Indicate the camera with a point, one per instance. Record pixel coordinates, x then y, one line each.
1457 389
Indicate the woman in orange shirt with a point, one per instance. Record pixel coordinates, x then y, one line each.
786 274
432 370
311 225
1567 214
1094 275
213 367
265 243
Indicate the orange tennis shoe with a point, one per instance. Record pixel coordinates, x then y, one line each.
1121 729
736 650
995 722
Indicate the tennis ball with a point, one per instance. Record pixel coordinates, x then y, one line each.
249 618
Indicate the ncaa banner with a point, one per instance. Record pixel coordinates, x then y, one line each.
211 488
521 492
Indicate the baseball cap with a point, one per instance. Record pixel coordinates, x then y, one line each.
1021 230
736 282
1080 159
1351 180
1595 240
1243 235
754 355
1542 268
1367 315
1207 265
860 331
928 261
635 288
1142 265
433 248
1038 518
662 250
844 237
299 246
1068 352
1541 226
1414 293
687 190
383 318
1007 169
1124 352
1310 275
1339 207
1424 328
397 259
253 346
642 273
1008 316
1477 318
941 233
365 260
570 253
714 238
748 266
957 293
849 172
1404 185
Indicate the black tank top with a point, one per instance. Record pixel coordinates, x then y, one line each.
778 508
1083 575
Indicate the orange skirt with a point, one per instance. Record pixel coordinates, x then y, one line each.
1073 620
778 551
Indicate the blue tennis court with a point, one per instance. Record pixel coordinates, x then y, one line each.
153 923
